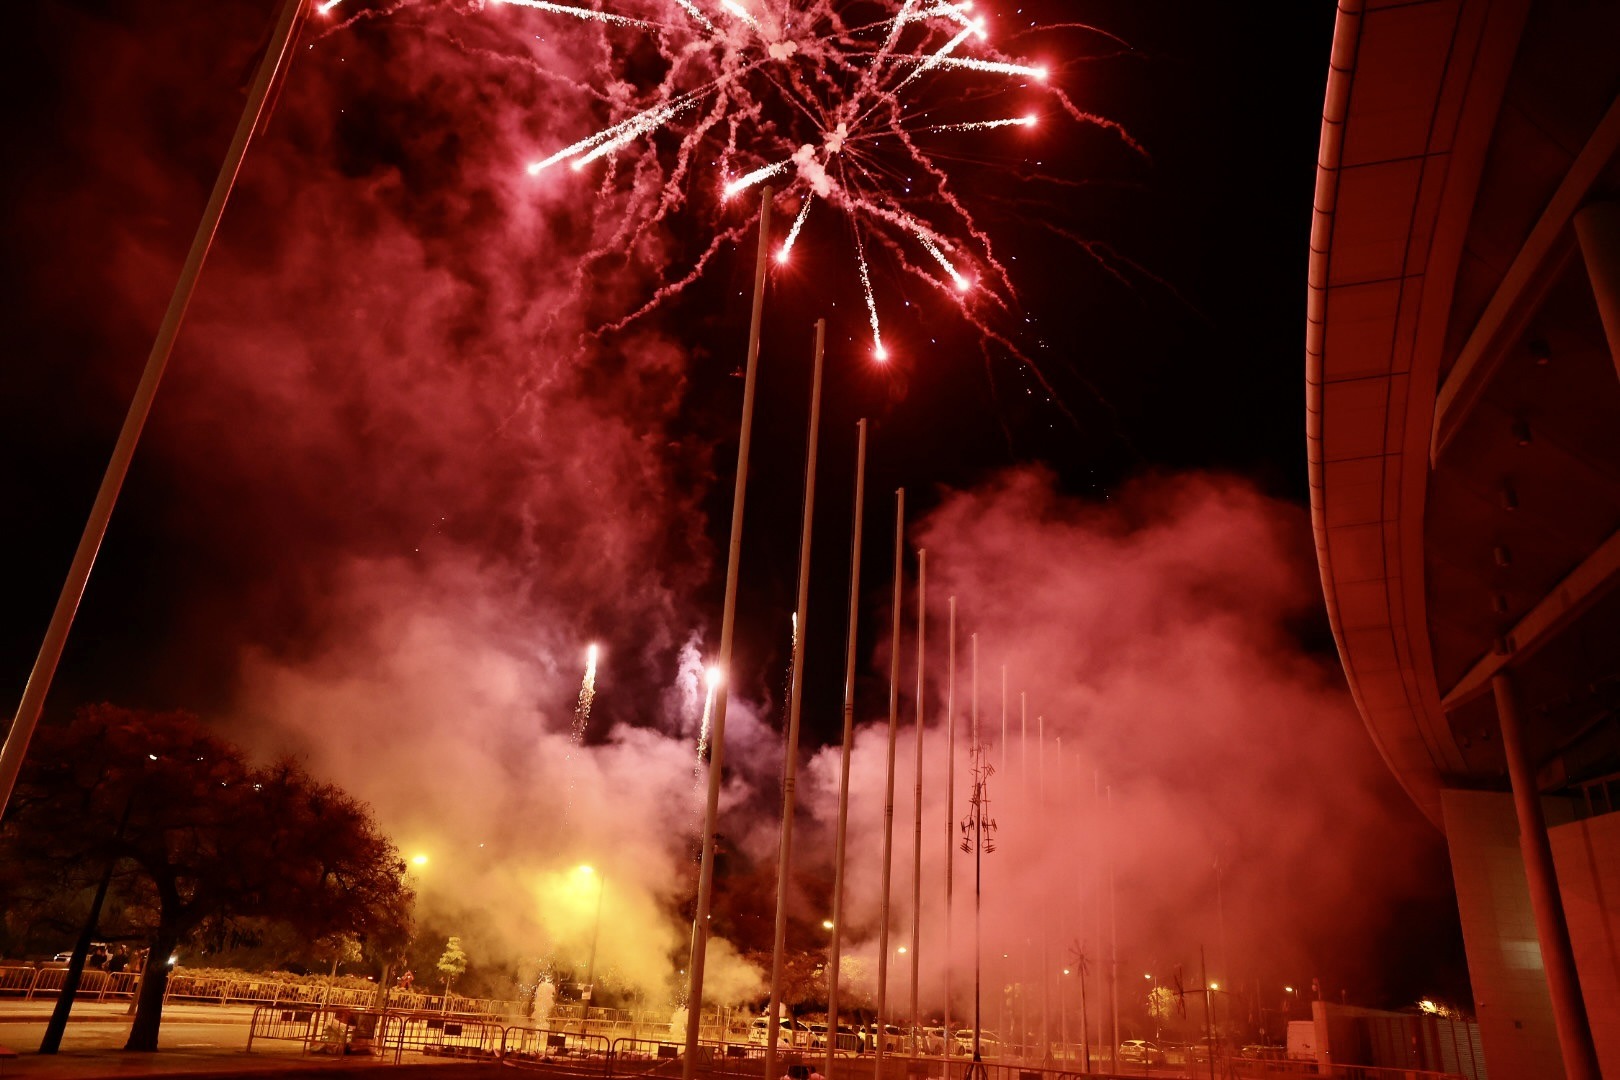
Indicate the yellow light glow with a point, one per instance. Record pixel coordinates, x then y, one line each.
714 676
419 860
826 924
586 868
901 949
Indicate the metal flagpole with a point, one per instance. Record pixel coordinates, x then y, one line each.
916 839
833 961
1113 934
1046 905
950 808
888 798
728 619
140 407
790 764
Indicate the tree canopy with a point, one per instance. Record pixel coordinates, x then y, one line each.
210 843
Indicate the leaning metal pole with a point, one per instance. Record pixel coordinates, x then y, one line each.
140 407
843 761
882 1019
728 618
916 839
978 832
790 762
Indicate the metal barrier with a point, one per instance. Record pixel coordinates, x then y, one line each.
279 1022
26 981
443 1036
569 1050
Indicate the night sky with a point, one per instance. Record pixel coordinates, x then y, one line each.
392 394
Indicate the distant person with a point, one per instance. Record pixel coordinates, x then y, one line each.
98 959
119 960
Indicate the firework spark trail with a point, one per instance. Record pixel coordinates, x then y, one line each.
698 16
584 13
742 13
969 63
934 61
582 717
871 302
932 248
764 172
983 125
645 124
793 233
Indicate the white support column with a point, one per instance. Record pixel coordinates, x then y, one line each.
1558 957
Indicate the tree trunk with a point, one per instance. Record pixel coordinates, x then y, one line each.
143 1033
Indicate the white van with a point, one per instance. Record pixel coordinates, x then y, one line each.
788 1033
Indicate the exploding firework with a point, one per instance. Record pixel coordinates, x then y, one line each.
852 107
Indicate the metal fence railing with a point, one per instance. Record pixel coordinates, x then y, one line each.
443 1036
284 1023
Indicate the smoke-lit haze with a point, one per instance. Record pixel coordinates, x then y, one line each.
396 484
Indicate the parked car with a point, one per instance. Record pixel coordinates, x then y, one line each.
990 1045
1141 1052
1264 1053
788 1033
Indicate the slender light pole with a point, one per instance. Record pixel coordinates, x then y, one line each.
728 619
140 407
888 798
950 808
1113 934
590 965
1046 905
790 764
834 960
916 840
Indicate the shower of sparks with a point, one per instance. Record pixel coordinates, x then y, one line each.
828 100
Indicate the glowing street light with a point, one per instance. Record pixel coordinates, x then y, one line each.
419 860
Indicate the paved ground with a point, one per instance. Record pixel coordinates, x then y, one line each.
196 1042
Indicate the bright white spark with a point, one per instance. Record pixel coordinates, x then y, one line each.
328 6
742 13
793 234
962 283
583 13
764 172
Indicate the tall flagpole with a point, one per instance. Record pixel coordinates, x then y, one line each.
38 686
790 764
916 840
1046 904
728 619
950 810
833 961
882 1018
1113 935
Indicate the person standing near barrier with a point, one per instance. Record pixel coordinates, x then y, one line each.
118 960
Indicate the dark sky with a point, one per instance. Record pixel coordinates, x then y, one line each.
1159 293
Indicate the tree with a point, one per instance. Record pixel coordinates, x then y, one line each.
208 842
452 963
